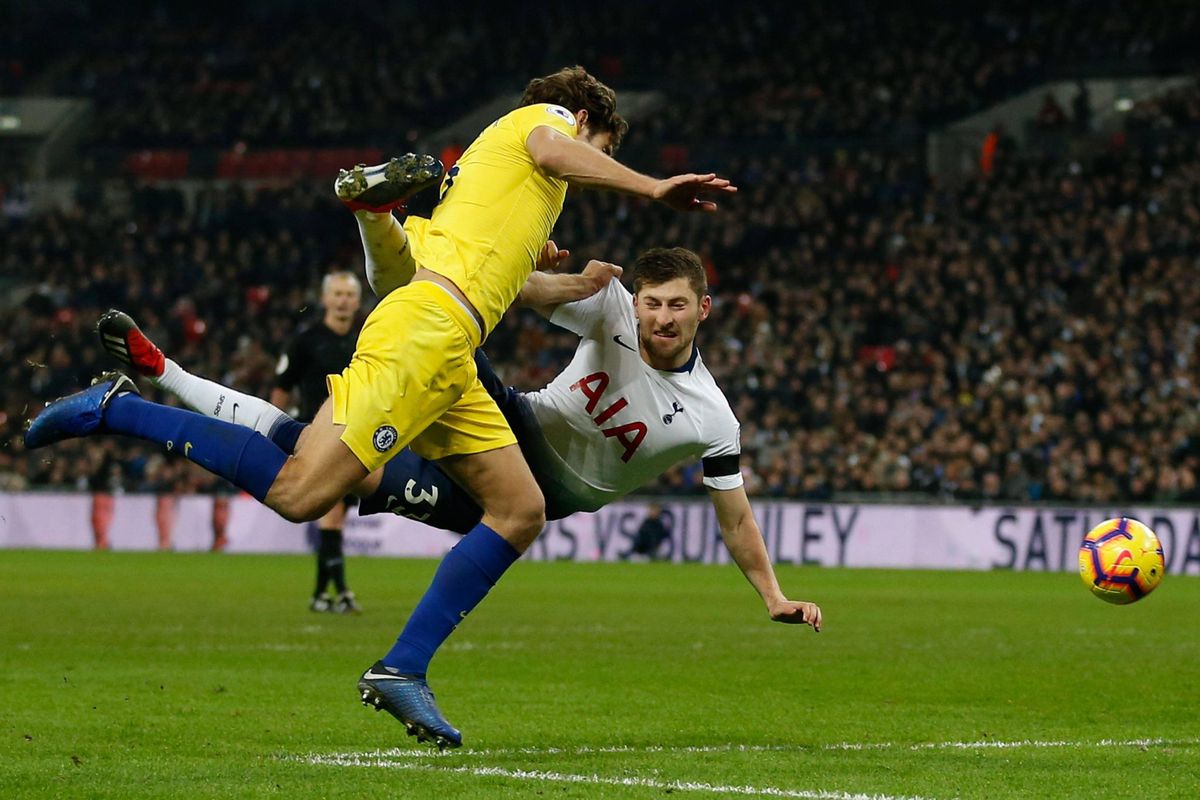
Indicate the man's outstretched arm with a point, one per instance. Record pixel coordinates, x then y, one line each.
545 291
745 542
582 165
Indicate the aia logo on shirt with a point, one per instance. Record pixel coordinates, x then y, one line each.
629 434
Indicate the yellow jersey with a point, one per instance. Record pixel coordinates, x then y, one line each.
495 212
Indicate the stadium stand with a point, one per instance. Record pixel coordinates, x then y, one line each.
1010 338
169 75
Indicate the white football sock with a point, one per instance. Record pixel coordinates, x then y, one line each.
214 400
390 264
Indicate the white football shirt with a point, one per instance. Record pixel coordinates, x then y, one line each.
612 423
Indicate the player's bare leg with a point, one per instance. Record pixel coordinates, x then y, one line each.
319 475
388 258
514 513
502 484
372 193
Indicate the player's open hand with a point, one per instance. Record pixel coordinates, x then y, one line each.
796 612
685 192
550 257
600 273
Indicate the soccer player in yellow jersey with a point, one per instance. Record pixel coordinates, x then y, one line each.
412 380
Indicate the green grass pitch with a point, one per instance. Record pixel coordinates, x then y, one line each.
164 675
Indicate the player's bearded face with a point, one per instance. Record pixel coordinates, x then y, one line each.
668 316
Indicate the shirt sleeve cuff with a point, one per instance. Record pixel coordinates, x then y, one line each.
724 482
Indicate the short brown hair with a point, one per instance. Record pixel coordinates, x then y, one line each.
575 90
661 264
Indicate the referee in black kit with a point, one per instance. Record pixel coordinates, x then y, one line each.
318 350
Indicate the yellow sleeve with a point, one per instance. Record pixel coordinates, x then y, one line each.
529 117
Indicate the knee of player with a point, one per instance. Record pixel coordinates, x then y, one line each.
519 517
529 512
295 505
299 511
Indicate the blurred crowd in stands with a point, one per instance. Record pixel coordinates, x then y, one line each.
1030 334
286 72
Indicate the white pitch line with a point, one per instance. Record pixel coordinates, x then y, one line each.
986 744
602 780
990 744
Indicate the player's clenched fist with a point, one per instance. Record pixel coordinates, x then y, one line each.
600 273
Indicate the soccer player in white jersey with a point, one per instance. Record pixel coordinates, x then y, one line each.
635 400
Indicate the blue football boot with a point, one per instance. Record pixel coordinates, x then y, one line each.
78 414
408 699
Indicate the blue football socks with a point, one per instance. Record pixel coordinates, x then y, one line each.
463 579
240 455
285 433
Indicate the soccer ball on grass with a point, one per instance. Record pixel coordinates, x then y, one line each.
1121 561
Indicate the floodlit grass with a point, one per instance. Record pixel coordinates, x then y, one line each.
147 675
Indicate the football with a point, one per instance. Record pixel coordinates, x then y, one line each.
1121 561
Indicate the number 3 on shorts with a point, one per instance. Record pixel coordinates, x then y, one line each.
446 184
